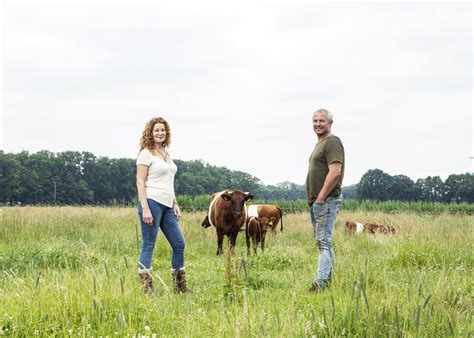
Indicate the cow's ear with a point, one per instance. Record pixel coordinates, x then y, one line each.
248 197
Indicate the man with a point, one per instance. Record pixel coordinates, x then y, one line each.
323 188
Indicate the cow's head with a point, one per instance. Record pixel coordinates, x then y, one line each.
237 200
350 226
265 223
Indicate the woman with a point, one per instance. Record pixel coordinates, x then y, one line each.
157 207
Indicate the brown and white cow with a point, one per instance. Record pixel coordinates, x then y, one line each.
354 228
227 212
268 211
373 228
256 229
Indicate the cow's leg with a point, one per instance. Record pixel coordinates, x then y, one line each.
220 239
255 245
263 243
247 240
232 239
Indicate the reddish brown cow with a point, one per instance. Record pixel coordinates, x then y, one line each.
373 228
256 228
268 211
227 212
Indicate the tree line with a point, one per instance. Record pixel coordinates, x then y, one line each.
73 177
377 185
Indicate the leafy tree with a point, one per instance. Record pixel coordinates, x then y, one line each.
402 189
71 186
10 169
123 172
196 178
350 192
283 190
375 185
36 175
430 189
459 188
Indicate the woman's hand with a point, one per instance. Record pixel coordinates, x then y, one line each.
147 217
177 211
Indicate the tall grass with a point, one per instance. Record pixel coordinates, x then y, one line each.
73 271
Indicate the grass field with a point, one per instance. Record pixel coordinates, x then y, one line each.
73 271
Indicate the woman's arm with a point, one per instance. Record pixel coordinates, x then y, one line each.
142 173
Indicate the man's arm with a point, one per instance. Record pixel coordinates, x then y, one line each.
330 181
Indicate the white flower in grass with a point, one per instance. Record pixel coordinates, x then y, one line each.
147 328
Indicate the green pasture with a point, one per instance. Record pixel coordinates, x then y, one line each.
72 271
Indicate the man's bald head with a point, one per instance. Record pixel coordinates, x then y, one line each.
326 112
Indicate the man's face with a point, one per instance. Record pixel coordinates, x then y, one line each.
321 124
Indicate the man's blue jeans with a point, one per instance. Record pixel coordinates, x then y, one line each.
323 217
164 218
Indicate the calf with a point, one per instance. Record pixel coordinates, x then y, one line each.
354 228
371 228
268 211
374 228
227 212
256 228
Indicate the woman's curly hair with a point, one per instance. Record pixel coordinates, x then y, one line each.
147 136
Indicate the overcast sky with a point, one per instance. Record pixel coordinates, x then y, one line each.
239 83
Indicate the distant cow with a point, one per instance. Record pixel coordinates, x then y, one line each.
256 228
373 228
268 211
227 212
354 228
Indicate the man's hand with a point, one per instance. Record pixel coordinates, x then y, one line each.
330 181
319 200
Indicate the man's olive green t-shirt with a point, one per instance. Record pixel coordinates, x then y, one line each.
325 152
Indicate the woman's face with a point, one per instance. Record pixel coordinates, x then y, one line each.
159 133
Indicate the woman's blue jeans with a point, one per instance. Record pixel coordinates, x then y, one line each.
323 218
164 218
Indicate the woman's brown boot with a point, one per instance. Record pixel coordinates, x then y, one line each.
179 280
147 282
